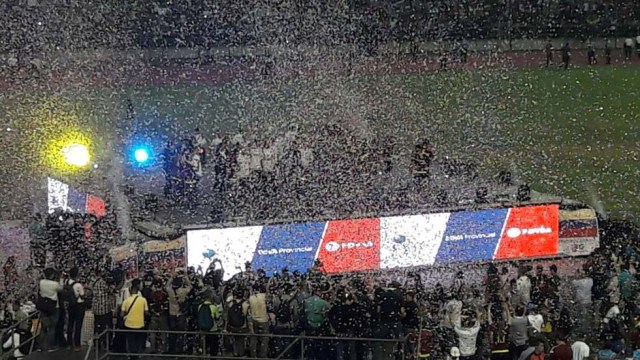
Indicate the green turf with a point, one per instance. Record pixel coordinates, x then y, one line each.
571 133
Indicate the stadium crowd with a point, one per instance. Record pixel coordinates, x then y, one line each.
499 311
26 30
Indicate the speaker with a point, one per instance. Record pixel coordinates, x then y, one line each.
524 193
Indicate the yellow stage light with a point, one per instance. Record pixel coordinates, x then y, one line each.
76 155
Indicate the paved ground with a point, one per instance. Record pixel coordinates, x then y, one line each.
62 354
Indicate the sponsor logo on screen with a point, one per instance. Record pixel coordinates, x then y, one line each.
285 251
471 236
530 231
333 246
288 245
388 242
515 232
351 245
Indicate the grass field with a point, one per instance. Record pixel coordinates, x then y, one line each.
571 133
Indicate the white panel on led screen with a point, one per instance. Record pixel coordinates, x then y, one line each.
57 195
233 246
411 240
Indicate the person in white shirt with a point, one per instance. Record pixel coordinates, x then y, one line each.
611 314
504 283
468 334
584 310
580 350
628 46
523 286
452 313
613 288
269 158
256 154
536 321
76 310
198 139
48 291
194 160
259 321
582 288
123 293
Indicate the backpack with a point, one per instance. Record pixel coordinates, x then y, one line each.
205 317
606 354
236 316
25 348
283 312
67 294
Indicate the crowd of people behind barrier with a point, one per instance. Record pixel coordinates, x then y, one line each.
109 24
517 310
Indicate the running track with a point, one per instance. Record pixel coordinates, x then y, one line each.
139 74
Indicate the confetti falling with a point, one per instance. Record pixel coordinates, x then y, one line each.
372 161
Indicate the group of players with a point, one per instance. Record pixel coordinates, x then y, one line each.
182 163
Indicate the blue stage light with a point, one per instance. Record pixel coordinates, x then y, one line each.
141 155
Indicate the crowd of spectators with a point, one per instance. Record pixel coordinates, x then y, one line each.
517 310
32 26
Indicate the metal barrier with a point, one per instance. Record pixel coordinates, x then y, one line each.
6 354
296 345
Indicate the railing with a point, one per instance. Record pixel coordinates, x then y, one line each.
6 354
291 347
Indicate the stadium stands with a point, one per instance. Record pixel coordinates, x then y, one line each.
32 26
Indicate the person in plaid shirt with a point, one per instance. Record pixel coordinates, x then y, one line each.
104 301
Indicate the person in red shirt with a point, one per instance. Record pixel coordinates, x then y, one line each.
534 352
562 350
